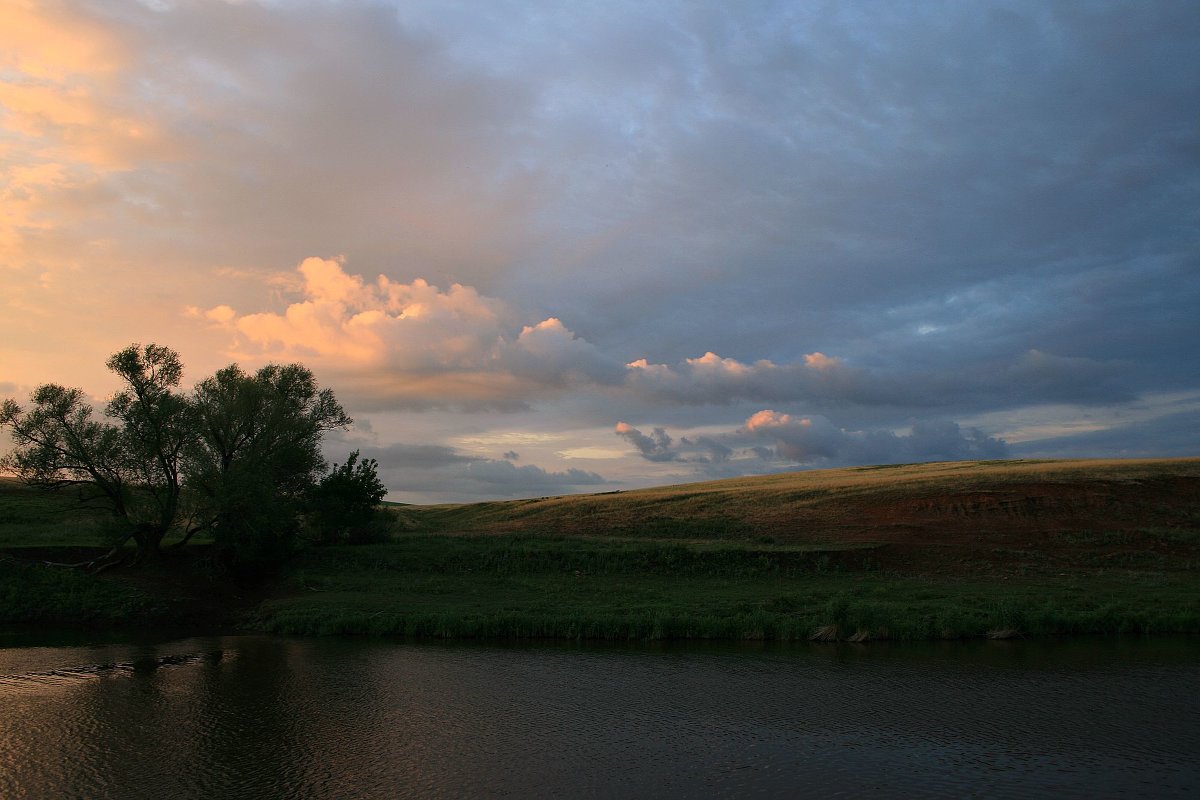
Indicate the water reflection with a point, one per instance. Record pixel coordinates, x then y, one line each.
265 717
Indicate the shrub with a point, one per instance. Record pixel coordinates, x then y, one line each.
344 506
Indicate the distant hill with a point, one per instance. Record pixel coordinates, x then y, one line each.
935 514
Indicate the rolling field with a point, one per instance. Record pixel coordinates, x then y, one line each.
985 516
947 550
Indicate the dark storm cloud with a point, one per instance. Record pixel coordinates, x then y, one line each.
658 446
815 441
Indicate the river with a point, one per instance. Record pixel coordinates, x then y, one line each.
264 717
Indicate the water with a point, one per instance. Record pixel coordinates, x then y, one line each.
260 717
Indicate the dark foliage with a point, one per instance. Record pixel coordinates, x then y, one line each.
344 506
235 458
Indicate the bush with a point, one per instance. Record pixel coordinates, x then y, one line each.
344 506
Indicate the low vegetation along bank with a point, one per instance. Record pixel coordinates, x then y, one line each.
964 549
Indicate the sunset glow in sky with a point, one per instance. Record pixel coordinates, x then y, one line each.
550 247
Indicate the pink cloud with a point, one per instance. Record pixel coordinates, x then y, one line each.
413 343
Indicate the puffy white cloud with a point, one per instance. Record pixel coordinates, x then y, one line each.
414 344
550 354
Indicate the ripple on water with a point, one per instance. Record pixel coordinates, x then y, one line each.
257 716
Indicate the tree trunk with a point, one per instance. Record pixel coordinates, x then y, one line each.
148 538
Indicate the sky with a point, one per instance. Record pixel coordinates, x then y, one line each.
539 248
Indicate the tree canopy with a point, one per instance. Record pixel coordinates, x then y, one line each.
236 456
345 503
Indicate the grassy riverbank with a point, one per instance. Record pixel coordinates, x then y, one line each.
966 549
439 586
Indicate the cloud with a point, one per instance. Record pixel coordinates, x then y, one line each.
770 440
511 480
800 440
627 211
1049 378
68 126
1169 435
827 382
813 440
437 473
415 345
717 452
660 447
711 379
655 447
417 456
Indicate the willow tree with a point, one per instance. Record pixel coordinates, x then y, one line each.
130 460
233 457
257 453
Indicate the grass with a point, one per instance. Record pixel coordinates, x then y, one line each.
33 518
567 588
830 505
32 594
918 551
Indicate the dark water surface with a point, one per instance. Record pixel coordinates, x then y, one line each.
261 717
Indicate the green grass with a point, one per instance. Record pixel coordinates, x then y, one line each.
34 518
781 557
32 594
456 587
37 518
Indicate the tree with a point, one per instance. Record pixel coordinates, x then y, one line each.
156 424
257 455
129 462
344 506
235 457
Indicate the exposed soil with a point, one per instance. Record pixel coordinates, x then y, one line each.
1038 527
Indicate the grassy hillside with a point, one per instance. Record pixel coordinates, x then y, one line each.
831 504
910 551
925 517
